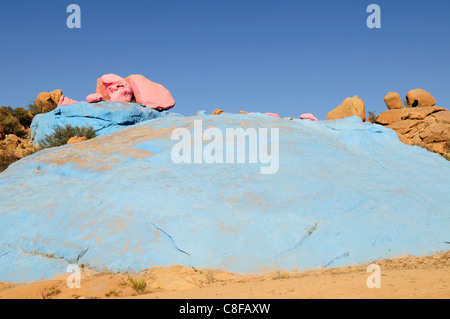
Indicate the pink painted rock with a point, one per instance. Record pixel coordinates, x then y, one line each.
273 115
66 101
117 88
150 94
308 116
94 98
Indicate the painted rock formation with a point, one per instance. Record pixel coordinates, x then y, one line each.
119 202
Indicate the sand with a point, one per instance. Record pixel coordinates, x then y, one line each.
408 277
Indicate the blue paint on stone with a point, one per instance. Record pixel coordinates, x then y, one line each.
346 193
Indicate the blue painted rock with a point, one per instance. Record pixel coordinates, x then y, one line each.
105 117
345 193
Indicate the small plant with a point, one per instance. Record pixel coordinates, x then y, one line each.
63 134
138 285
372 117
405 103
112 292
53 292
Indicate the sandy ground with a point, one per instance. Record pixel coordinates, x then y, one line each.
409 277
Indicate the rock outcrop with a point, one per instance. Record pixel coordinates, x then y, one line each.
104 117
428 127
419 97
48 101
119 202
350 107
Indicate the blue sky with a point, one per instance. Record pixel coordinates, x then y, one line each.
288 56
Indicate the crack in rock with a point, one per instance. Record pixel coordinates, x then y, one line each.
171 239
346 254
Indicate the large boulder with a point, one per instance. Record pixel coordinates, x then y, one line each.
393 101
150 94
350 107
428 127
117 88
48 101
419 97
105 117
120 203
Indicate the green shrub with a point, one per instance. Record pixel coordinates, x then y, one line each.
138 285
11 124
63 134
25 117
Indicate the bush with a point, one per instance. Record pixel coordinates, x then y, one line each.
372 117
63 134
11 125
138 285
15 121
25 117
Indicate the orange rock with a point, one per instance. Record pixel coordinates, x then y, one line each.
350 107
77 139
393 101
243 112
217 112
101 90
419 97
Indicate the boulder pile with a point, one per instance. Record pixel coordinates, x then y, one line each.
111 87
421 123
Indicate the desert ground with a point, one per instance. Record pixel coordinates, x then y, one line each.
407 277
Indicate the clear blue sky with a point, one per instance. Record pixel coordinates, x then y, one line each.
288 56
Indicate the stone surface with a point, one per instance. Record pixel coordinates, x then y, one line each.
117 88
308 116
94 98
350 107
273 115
105 117
66 101
101 90
150 94
419 97
393 101
76 139
346 193
48 101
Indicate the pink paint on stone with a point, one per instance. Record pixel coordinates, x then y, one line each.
308 116
150 94
117 88
64 100
94 98
273 115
